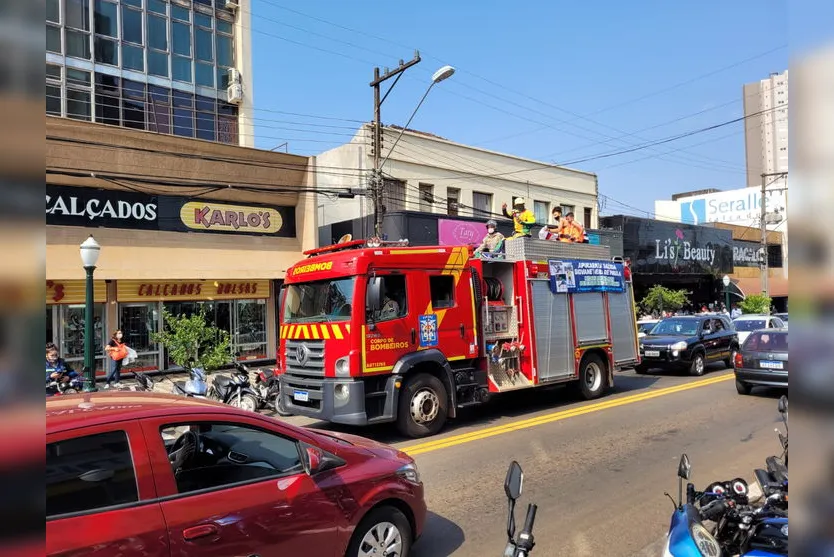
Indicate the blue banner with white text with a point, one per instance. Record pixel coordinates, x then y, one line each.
578 275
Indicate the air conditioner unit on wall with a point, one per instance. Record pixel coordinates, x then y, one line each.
232 4
233 75
234 93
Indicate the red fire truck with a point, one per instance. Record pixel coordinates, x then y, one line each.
375 332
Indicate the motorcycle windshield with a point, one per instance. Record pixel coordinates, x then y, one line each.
198 388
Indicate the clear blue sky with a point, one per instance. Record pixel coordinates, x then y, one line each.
530 76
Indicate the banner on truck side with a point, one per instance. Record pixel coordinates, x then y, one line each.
575 275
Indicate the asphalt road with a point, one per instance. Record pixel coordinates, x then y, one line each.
597 470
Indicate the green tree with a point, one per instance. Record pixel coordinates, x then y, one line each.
755 303
659 298
192 342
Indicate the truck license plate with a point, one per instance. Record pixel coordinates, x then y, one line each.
770 364
301 396
652 353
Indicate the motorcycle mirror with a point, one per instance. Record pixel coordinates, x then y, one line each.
514 481
684 468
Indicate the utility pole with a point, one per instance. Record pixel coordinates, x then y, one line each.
763 222
377 182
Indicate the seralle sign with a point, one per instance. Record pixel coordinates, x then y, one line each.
742 206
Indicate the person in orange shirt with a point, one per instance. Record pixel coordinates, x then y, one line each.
572 231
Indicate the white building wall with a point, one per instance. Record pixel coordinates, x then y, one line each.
766 134
243 61
448 168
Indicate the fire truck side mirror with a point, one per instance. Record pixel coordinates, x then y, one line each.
373 296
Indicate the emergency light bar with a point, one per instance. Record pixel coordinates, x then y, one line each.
355 244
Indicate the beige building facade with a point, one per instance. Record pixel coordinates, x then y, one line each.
184 225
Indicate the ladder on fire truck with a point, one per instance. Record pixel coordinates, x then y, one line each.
501 311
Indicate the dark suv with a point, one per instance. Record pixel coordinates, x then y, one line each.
689 342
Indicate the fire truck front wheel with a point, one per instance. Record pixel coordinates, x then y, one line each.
593 376
423 406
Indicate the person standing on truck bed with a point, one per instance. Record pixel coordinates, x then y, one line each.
553 231
493 242
523 218
572 231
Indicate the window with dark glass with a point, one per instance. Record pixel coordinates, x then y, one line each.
53 11
132 25
206 119
224 26
133 114
137 3
53 100
133 57
222 77
53 71
78 77
159 115
89 473
225 52
156 6
53 39
204 2
181 69
180 13
157 32
442 291
202 45
78 105
78 14
202 20
227 130
106 51
106 18
158 63
184 122
204 74
181 38
77 44
108 110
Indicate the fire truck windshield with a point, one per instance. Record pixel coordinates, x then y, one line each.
324 300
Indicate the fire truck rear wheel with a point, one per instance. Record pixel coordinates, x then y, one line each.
593 376
423 406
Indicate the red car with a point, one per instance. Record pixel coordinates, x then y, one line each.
133 474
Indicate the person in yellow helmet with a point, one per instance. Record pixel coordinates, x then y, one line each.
523 218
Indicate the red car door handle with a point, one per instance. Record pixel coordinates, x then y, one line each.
199 532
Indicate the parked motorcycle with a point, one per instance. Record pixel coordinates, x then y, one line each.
268 389
740 528
57 386
774 479
235 390
195 387
523 545
143 382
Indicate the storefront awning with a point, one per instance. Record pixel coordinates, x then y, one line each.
777 286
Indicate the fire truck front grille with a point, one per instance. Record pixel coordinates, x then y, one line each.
305 357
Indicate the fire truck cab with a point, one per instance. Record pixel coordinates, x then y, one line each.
375 332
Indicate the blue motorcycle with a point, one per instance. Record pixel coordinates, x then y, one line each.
740 528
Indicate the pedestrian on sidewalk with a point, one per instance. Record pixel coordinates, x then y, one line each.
117 351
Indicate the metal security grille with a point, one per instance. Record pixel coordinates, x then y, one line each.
554 346
623 329
589 314
542 250
314 361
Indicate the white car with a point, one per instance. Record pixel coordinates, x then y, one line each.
646 325
746 324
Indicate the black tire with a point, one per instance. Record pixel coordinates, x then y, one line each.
279 408
377 517
248 402
698 366
730 362
593 377
424 394
743 388
641 369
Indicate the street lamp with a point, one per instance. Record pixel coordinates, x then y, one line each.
726 281
90 251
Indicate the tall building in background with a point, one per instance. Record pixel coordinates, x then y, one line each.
766 133
177 67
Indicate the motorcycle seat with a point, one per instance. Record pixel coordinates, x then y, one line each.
222 380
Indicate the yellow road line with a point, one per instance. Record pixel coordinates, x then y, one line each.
454 440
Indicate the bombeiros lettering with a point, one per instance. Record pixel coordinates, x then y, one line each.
313 268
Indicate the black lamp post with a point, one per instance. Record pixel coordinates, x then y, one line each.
89 257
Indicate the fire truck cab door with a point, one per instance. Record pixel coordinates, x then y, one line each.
448 320
388 335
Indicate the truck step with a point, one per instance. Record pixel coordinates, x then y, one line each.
504 383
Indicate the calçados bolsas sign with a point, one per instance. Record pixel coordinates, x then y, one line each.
580 275
89 207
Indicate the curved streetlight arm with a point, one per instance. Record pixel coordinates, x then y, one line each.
402 131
